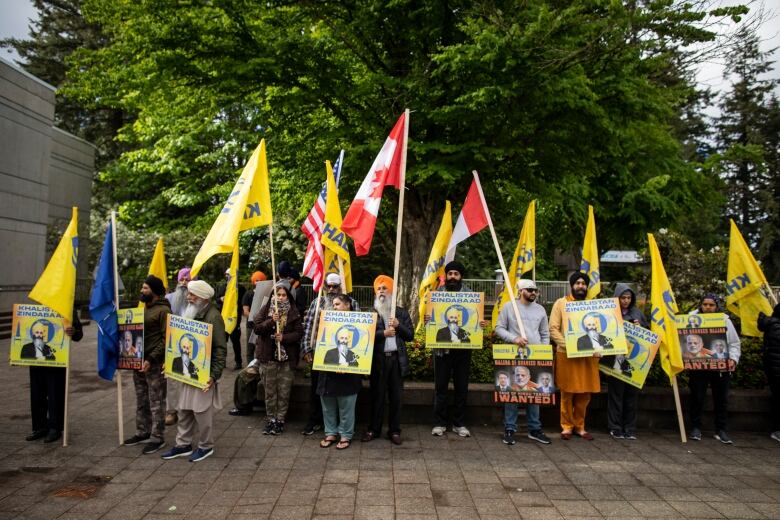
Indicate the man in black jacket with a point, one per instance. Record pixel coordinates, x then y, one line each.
770 326
390 363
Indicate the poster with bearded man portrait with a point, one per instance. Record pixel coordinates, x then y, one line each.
594 327
455 318
345 342
38 337
188 351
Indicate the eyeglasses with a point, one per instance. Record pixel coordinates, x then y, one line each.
531 290
333 286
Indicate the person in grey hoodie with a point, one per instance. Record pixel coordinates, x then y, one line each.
622 397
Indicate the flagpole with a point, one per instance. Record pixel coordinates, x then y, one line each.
400 222
341 274
313 340
273 289
771 294
509 287
680 421
119 402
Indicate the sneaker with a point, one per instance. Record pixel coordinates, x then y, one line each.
269 428
616 434
53 435
136 439
539 436
309 429
509 437
695 434
177 451
201 454
461 431
723 437
631 436
438 431
775 436
152 447
278 428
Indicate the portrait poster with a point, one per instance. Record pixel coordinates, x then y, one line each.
524 375
594 326
455 318
131 338
345 342
703 341
38 337
188 351
633 367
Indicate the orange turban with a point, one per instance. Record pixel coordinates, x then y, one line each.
258 276
383 279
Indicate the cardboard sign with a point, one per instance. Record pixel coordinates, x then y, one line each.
188 351
634 366
703 341
593 326
38 337
345 342
455 318
524 375
131 338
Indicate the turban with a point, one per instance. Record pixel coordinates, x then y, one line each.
577 276
455 266
155 284
200 289
333 279
184 273
258 276
285 270
385 280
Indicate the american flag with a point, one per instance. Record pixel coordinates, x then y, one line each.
312 228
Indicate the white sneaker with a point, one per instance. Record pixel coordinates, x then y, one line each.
775 436
438 431
462 431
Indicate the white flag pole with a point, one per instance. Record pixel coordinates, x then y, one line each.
119 402
399 224
509 287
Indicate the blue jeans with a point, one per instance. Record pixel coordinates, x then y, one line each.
531 414
338 414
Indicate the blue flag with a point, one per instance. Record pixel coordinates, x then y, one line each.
103 310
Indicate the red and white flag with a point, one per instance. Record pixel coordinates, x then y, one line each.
387 170
473 219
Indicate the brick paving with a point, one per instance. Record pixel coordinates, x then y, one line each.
256 476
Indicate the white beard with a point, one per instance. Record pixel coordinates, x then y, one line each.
38 342
592 334
454 328
192 310
383 306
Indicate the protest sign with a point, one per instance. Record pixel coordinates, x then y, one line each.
455 318
188 351
345 342
703 341
633 367
524 375
131 338
38 337
594 326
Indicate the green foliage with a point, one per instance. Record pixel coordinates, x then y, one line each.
750 370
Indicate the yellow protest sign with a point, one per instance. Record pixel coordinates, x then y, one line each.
593 326
703 342
455 318
188 351
524 375
633 367
38 337
345 342
131 338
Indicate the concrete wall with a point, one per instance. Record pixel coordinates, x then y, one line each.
43 172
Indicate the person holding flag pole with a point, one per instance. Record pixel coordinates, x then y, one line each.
434 269
56 289
590 257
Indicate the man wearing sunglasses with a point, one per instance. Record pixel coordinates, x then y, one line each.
537 332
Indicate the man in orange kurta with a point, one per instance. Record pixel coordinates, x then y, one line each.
577 378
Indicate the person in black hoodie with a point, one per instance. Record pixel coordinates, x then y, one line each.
622 397
770 326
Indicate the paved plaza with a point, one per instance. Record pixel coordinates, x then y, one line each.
257 476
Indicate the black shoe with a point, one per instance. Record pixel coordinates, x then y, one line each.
310 429
509 437
52 436
37 434
539 436
239 412
269 428
136 439
278 428
153 446
695 434
617 434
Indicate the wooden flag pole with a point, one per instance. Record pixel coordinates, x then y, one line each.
680 421
772 296
341 274
509 287
313 340
273 289
400 223
119 401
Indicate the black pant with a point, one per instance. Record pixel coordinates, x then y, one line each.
235 339
386 378
621 405
698 382
458 364
774 388
47 398
315 404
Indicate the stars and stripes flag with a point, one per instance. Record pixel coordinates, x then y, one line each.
312 228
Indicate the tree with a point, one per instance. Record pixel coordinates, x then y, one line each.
568 103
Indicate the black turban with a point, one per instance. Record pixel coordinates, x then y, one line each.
285 270
155 284
455 266
577 276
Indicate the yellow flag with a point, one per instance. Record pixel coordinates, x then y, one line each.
745 284
56 288
334 240
523 260
157 267
662 311
435 266
230 303
248 206
590 257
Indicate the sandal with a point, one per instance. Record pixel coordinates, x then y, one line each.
566 436
327 442
584 435
343 444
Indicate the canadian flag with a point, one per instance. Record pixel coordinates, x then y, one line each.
387 170
473 219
